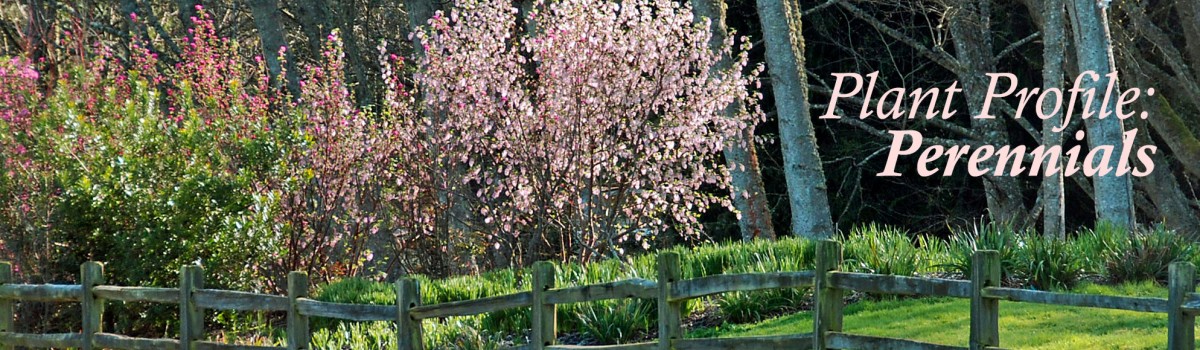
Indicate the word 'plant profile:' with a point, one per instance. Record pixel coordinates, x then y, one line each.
1004 160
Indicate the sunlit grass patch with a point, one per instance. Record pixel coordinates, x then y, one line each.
1022 325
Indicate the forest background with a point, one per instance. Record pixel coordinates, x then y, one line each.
153 133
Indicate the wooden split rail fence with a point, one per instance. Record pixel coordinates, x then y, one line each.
670 291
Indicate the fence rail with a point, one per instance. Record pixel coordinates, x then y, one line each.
828 283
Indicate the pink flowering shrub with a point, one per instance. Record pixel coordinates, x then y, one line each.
330 201
155 165
149 169
26 190
594 133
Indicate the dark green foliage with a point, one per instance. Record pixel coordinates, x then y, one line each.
990 236
1027 258
1145 255
616 321
747 307
882 250
1050 264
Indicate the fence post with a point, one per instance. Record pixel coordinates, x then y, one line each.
1181 327
91 274
670 314
828 298
191 317
298 335
409 333
985 312
6 305
545 318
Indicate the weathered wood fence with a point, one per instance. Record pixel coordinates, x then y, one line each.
670 291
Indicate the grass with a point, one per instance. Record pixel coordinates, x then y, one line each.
604 322
1022 325
1104 254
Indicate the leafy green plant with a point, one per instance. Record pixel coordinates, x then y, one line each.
1146 254
990 236
462 333
746 307
882 250
356 336
1093 245
1050 263
934 253
353 290
616 321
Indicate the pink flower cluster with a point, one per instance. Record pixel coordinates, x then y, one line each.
599 127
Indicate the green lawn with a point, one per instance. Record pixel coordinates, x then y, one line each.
1022 325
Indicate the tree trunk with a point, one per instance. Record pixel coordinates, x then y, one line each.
1189 22
419 13
970 25
452 222
1053 34
807 195
1178 136
356 69
1093 47
1171 205
270 33
747 190
187 11
314 19
1163 189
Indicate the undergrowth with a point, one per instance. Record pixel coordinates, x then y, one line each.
1028 260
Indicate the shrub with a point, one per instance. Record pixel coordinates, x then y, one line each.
990 236
557 139
1093 245
881 250
616 321
746 307
1145 254
1050 263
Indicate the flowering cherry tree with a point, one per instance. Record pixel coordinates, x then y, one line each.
588 130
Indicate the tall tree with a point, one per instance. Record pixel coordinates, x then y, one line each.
746 184
1054 33
271 36
970 25
454 212
803 170
314 18
1093 49
187 11
318 19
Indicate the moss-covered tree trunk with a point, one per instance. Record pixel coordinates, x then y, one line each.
1093 48
1053 35
746 186
271 37
970 25
803 170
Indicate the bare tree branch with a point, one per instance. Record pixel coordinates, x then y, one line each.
1017 44
819 7
939 56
